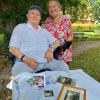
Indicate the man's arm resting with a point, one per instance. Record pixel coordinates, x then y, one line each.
31 62
16 52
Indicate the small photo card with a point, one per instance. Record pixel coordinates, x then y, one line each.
38 80
48 93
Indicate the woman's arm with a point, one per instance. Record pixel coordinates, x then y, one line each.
49 52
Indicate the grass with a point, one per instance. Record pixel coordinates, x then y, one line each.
92 34
1 39
87 35
89 62
5 94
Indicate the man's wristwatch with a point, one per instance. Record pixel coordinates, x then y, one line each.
21 58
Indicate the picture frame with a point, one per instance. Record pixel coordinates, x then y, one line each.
69 92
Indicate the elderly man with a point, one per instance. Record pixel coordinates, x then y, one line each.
33 46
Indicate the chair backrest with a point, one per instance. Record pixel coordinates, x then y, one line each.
11 57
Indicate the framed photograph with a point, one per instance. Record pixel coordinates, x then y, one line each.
69 92
66 80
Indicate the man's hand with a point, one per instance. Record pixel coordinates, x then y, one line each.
49 54
31 62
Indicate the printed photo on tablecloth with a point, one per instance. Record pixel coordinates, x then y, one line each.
66 80
37 80
48 93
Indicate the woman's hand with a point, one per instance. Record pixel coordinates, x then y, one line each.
31 62
49 54
70 38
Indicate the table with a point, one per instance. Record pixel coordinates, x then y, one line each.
26 92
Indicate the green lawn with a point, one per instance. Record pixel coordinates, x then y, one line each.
92 34
86 35
89 61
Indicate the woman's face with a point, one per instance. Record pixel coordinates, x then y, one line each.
53 8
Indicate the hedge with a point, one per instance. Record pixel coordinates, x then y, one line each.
4 41
85 27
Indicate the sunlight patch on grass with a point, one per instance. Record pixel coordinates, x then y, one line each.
92 34
89 62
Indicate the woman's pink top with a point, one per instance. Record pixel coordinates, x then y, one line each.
61 30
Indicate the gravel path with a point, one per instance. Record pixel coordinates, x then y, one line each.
85 45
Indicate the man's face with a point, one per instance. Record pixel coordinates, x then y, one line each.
34 16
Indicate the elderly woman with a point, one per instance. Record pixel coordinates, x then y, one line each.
59 26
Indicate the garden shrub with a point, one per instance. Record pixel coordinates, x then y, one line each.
4 41
85 27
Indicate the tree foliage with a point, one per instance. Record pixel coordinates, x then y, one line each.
96 10
13 12
77 9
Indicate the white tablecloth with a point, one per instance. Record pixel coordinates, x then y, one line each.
23 91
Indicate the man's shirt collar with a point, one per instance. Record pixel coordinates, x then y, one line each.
30 26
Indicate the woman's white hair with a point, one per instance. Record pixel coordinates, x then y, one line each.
55 1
